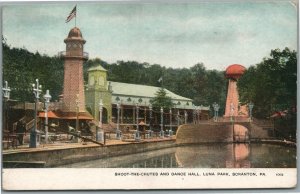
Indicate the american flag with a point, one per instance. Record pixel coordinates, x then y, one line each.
71 15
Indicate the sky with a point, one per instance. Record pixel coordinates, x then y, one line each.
176 35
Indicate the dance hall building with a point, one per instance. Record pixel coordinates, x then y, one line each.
132 98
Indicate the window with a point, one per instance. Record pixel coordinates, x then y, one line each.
101 81
91 81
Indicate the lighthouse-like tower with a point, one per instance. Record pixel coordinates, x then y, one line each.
73 89
233 73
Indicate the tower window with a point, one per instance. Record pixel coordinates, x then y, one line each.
101 81
91 81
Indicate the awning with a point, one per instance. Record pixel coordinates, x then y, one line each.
67 115
79 118
51 115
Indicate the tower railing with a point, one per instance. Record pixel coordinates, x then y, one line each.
63 54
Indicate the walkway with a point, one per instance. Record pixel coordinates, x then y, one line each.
67 145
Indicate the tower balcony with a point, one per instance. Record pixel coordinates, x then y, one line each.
76 55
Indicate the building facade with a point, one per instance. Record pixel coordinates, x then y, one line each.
135 102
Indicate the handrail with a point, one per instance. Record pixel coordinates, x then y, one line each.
73 54
30 124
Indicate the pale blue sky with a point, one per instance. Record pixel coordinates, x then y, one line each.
171 34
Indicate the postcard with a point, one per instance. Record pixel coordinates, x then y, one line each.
149 95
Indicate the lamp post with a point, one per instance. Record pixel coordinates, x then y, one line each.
178 114
47 98
200 111
118 132
150 120
217 111
194 115
137 133
33 133
170 131
77 117
6 91
99 136
161 122
216 108
6 95
251 105
231 119
185 117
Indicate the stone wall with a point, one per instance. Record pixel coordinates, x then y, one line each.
89 152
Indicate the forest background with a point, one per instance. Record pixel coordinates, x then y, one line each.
270 85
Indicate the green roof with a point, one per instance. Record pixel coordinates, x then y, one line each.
97 68
141 91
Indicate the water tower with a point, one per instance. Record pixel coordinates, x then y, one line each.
233 73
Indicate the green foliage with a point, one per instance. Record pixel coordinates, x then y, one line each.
271 84
161 100
21 68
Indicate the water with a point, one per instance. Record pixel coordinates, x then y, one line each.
203 156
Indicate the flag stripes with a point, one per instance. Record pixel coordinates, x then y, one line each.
71 15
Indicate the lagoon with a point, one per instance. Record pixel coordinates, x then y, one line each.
237 155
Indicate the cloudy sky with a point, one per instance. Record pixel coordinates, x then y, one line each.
171 34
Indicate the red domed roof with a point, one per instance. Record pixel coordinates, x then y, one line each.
235 71
75 33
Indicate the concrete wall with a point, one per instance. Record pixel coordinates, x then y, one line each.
204 133
215 132
257 132
89 152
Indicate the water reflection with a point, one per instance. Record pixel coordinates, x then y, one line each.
222 156
240 157
241 133
203 156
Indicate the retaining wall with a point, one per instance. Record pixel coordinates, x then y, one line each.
58 157
215 132
204 133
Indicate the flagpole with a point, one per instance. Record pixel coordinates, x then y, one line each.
75 14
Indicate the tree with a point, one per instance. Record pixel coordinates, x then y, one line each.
272 86
161 100
21 68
